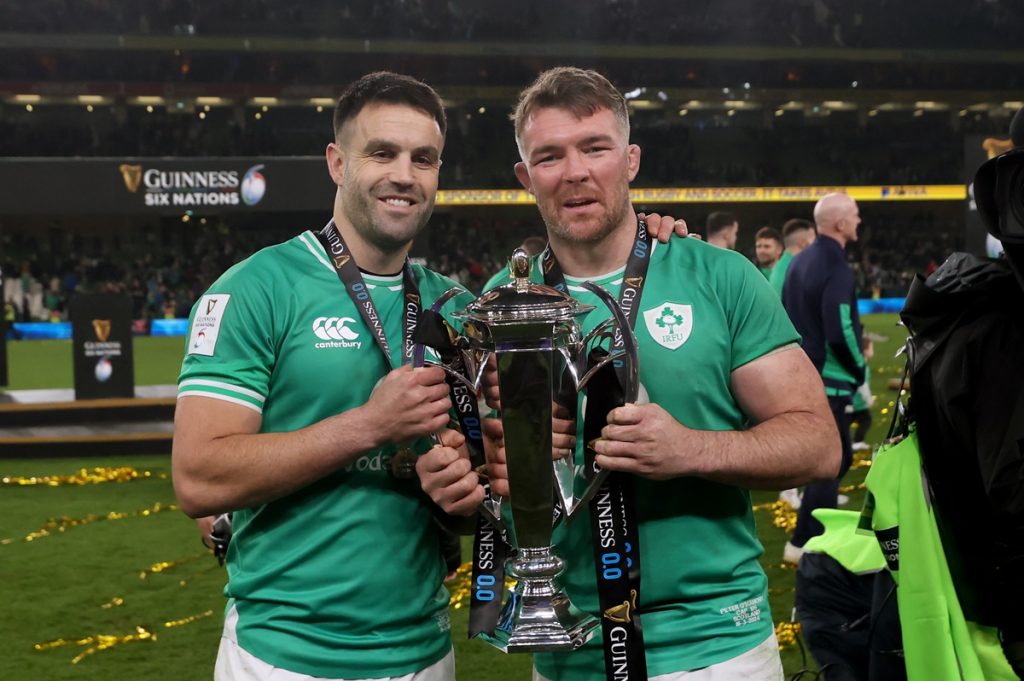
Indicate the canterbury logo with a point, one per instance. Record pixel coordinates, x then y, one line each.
102 329
328 328
132 176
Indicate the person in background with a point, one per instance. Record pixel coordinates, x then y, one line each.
820 297
797 234
721 229
767 249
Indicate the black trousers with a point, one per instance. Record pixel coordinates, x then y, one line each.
823 494
850 622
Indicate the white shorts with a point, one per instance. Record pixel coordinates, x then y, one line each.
235 664
761 663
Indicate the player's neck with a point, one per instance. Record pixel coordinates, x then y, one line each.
368 256
593 258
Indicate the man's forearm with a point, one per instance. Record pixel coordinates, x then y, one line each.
245 470
785 451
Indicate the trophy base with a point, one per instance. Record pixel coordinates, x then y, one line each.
530 624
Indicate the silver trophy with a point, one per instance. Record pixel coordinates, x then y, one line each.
543 361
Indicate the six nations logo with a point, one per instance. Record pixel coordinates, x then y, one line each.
333 333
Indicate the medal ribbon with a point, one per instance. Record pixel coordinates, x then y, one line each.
348 272
489 547
616 553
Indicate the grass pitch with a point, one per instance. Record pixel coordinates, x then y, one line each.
128 580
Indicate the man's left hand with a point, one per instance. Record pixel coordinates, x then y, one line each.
663 227
645 440
448 478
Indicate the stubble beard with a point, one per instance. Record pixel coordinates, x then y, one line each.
361 216
565 232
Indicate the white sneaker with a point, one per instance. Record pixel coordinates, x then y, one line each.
861 446
842 500
791 497
792 554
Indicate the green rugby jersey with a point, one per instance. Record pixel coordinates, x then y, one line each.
341 579
704 312
778 275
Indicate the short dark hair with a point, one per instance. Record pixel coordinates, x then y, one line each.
795 225
582 92
717 222
388 88
769 233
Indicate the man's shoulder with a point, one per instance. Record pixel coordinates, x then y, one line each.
695 255
433 284
428 277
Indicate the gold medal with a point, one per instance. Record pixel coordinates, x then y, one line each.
403 463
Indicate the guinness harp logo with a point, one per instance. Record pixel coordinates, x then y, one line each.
102 329
340 260
635 282
993 147
210 304
132 176
412 298
622 613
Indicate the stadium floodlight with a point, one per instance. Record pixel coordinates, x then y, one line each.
28 99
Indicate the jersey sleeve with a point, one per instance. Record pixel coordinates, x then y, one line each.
229 353
758 324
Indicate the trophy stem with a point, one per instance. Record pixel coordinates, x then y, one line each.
538 615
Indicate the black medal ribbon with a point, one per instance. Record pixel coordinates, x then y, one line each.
489 547
351 278
613 522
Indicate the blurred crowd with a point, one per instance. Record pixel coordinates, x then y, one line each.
874 23
165 281
701 149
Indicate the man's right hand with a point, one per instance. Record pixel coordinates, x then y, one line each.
408 404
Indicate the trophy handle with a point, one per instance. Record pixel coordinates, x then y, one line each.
631 389
629 350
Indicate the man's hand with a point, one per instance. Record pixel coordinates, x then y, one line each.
663 227
563 433
418 397
448 478
489 383
563 444
645 440
205 525
494 449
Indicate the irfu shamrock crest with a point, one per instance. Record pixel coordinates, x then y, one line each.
670 324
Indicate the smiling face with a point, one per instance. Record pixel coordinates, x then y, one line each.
386 162
579 170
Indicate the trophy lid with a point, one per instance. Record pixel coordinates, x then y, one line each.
523 301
